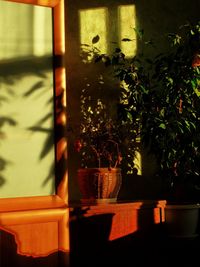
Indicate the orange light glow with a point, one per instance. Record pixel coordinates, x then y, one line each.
47 3
60 81
32 229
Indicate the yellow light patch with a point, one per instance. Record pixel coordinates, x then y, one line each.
93 23
127 23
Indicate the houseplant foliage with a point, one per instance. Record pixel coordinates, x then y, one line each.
104 139
99 137
170 123
98 145
171 129
161 100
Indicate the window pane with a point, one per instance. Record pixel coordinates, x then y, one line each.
26 101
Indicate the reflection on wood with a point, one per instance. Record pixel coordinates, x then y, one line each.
31 238
61 117
128 217
31 203
39 232
48 3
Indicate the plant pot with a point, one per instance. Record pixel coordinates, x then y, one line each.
181 221
99 185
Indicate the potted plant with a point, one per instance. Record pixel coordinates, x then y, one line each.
99 176
169 116
98 145
171 129
163 103
102 140
176 139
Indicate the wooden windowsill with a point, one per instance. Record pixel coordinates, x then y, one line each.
31 203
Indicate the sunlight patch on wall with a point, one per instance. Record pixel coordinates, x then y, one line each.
25 30
42 28
15 33
93 22
127 23
26 102
138 162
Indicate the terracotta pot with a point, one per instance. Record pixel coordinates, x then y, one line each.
99 184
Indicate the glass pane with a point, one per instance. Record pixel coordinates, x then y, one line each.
26 101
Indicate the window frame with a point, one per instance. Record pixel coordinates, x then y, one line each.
60 198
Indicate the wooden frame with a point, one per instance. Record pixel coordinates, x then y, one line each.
17 214
59 77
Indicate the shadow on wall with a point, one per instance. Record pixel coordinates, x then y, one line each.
9 257
3 121
113 20
25 84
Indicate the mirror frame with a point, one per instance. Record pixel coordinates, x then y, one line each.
60 198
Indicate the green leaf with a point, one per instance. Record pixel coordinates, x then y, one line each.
129 116
170 80
197 92
193 84
162 112
162 125
139 32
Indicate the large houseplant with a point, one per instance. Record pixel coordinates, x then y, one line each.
163 103
173 127
170 123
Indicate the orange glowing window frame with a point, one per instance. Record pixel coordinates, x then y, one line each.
22 215
60 199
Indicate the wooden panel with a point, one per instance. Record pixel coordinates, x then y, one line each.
48 3
125 218
42 237
30 203
10 257
39 232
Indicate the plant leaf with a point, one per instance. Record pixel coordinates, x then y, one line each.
95 39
